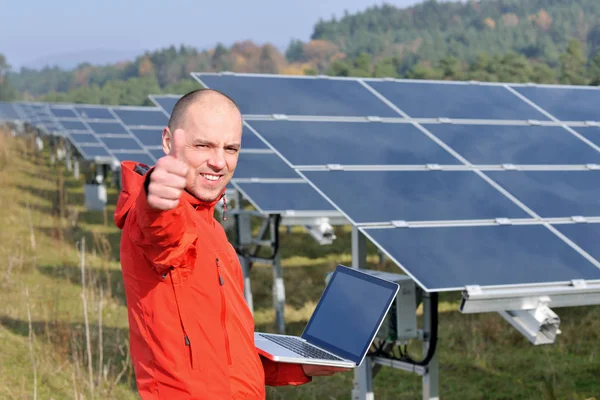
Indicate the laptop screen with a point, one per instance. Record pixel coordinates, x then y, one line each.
349 313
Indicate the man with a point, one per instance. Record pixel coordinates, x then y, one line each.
191 331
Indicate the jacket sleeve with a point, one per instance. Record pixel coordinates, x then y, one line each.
281 374
167 238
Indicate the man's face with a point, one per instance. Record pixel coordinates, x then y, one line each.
213 135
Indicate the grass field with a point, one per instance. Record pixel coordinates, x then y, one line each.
46 340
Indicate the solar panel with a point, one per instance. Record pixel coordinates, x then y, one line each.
165 102
553 194
73 125
121 143
157 153
280 198
449 258
456 100
385 196
590 133
515 144
107 127
90 152
92 112
82 138
251 141
470 227
140 117
148 136
352 143
8 112
583 235
565 103
297 95
262 165
61 112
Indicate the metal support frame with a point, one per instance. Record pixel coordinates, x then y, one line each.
363 375
76 167
248 247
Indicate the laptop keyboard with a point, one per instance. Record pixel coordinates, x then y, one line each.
300 347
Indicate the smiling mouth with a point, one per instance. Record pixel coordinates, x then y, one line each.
212 178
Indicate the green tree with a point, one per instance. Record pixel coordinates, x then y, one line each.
594 70
7 92
295 51
543 73
572 65
387 68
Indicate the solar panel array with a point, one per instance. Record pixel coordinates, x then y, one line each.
459 183
264 179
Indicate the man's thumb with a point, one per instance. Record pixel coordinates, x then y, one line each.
178 144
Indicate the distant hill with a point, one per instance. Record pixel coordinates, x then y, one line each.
71 60
538 29
546 41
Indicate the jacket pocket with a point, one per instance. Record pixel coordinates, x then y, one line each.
188 343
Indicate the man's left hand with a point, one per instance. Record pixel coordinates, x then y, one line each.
322 370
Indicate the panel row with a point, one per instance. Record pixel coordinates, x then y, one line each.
344 97
384 196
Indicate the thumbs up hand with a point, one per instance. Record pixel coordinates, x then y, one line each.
169 177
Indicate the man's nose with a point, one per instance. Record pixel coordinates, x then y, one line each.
217 159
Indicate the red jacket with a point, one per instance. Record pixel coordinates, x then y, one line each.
191 331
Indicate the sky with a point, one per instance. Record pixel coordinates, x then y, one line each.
36 30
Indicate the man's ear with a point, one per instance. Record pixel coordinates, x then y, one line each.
166 140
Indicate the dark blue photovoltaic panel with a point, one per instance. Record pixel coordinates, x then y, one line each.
107 127
583 235
83 138
138 157
453 257
150 117
257 165
552 194
148 137
453 100
566 104
279 197
251 141
299 96
73 126
157 153
94 151
118 143
94 113
351 143
383 196
503 144
8 112
591 133
167 103
60 112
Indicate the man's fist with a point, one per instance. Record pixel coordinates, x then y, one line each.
169 177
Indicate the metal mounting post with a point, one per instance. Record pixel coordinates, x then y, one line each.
432 373
76 168
278 283
363 375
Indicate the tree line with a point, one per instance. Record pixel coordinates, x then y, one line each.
543 41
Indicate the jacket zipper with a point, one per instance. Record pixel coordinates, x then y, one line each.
223 312
186 338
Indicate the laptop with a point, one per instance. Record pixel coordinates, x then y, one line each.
342 327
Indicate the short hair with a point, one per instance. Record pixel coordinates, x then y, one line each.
186 100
